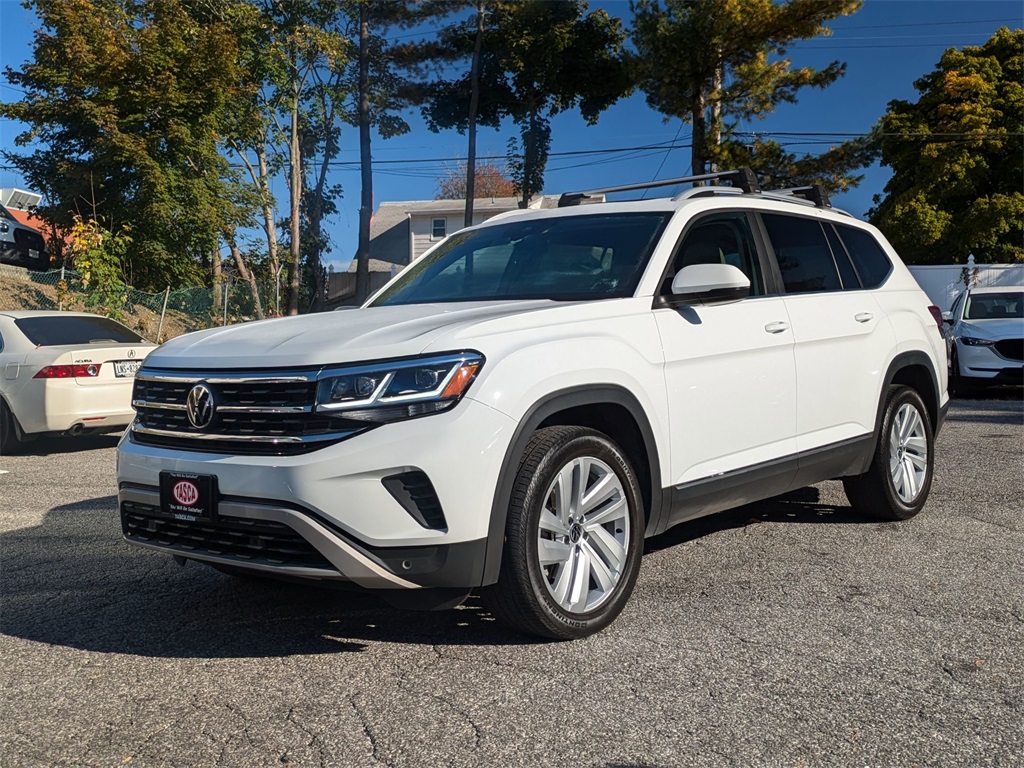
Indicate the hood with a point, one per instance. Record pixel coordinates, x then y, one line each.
996 328
331 337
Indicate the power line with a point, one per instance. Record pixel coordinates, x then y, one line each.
917 24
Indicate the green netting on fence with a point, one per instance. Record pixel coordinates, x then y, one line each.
188 309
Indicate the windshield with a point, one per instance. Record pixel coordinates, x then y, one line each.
990 306
52 331
563 258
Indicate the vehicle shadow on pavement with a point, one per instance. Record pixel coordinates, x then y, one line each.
72 581
51 446
799 506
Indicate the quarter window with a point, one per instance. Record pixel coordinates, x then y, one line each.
869 258
804 257
438 228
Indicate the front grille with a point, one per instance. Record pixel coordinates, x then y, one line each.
1011 349
255 413
247 541
26 240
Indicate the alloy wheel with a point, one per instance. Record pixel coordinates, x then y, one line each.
908 453
583 536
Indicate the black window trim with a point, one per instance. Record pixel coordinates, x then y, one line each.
846 253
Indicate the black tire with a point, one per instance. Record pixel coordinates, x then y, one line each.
957 386
9 442
524 596
877 493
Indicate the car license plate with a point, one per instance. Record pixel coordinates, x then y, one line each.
188 497
129 368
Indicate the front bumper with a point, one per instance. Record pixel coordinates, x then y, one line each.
986 365
335 501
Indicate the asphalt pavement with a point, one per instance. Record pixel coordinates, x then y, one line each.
785 633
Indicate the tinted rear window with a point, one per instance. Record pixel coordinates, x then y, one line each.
802 251
53 331
869 258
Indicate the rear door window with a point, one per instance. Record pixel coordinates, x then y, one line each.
803 254
55 330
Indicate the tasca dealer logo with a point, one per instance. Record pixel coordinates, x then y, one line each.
185 493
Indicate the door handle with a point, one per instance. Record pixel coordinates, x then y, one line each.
863 317
777 327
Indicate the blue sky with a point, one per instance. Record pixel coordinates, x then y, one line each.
887 45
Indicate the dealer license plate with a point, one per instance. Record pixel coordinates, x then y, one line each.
188 497
126 368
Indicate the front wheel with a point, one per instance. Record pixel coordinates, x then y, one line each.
573 537
896 485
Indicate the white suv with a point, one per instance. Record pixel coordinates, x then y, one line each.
518 409
985 337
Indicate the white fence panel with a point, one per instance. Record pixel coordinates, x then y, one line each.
944 282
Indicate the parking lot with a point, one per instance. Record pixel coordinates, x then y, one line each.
787 633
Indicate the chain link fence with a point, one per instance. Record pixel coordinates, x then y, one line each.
156 316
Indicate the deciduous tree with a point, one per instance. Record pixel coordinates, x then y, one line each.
489 181
957 157
124 102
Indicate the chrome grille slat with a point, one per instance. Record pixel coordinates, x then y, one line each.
271 414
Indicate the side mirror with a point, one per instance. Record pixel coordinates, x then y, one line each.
947 317
707 284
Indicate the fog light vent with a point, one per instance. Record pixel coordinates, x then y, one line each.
415 493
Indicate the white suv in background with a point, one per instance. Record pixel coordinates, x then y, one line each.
518 409
985 333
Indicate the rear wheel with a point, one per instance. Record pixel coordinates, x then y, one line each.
573 538
9 436
897 483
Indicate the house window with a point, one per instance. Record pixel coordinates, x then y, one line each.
438 228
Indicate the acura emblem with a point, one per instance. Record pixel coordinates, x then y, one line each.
131 353
200 406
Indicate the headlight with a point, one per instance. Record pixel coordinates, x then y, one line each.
399 389
971 341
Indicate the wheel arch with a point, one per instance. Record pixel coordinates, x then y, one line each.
608 408
915 370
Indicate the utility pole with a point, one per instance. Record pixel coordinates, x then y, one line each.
365 161
474 105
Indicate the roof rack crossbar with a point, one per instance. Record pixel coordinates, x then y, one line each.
742 178
814 193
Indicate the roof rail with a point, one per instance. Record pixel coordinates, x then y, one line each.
813 193
741 178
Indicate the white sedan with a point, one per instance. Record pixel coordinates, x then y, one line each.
65 372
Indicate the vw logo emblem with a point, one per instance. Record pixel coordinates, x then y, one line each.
200 406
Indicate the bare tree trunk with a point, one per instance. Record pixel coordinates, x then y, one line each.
269 225
474 105
295 191
218 277
246 274
715 129
365 161
700 134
